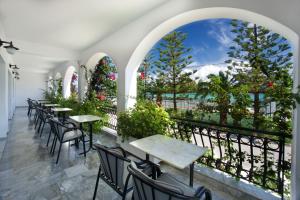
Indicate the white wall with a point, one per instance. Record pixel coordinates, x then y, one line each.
3 99
5 60
30 85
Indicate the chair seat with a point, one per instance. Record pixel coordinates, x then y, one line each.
71 135
171 180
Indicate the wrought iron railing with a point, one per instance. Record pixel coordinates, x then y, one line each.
112 117
260 157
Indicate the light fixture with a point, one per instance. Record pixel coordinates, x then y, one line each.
16 77
13 66
16 73
10 48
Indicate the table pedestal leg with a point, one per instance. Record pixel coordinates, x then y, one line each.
91 138
64 117
153 167
192 174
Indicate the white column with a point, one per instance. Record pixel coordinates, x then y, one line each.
296 135
81 83
127 88
10 95
3 98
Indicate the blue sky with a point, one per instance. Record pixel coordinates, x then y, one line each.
209 40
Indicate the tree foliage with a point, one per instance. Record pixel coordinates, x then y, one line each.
103 79
173 58
260 58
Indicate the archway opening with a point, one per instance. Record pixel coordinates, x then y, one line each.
101 75
58 84
70 85
50 84
139 54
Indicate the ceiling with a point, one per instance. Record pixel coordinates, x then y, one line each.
64 25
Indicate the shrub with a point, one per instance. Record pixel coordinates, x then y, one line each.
144 120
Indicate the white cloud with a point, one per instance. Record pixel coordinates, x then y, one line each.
220 31
204 71
222 35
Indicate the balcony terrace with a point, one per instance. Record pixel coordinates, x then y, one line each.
60 48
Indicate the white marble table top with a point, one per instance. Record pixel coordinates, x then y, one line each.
175 152
85 118
45 102
51 105
61 109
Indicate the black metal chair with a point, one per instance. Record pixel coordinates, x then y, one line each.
113 168
64 133
38 117
31 106
44 116
165 187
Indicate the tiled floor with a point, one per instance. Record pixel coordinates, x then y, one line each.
27 171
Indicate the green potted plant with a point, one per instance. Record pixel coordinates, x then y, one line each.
145 119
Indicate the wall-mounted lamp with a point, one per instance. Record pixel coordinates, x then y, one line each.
10 48
16 73
16 77
13 66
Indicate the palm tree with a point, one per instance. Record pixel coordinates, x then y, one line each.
218 87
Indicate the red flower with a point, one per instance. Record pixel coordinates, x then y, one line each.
142 75
74 77
270 84
101 97
112 77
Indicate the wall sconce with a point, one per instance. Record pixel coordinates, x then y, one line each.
16 73
10 48
16 77
13 66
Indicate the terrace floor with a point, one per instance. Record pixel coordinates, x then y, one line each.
27 171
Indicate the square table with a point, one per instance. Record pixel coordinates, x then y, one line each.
86 119
51 105
61 110
174 152
44 102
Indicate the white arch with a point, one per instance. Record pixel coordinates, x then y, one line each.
129 76
188 17
67 81
50 83
58 75
94 59
90 64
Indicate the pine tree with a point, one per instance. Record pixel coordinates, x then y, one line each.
256 56
173 58
144 78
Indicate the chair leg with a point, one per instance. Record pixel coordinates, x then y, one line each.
52 146
49 137
40 126
35 123
42 129
76 143
58 152
83 142
97 181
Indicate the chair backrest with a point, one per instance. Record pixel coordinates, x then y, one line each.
56 126
113 163
146 188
